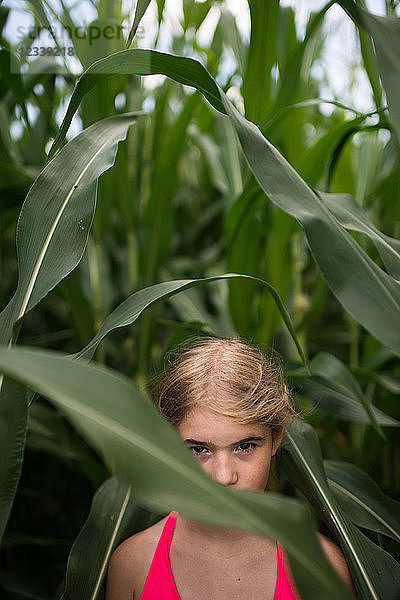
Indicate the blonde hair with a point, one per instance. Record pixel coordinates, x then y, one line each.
230 377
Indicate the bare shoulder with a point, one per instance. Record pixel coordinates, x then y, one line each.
337 560
130 563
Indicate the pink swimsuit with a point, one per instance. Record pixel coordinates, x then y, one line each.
160 584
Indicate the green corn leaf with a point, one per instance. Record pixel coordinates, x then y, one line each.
39 11
249 233
141 8
230 156
140 62
147 453
194 13
352 217
286 110
212 156
12 174
49 432
333 388
313 163
112 512
340 402
159 209
385 33
261 57
55 219
362 499
297 61
11 79
371 68
375 573
232 37
358 283
13 427
131 308
390 381
160 8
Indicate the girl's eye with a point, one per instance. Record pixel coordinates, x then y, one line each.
246 447
198 450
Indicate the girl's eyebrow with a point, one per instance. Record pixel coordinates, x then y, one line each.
253 438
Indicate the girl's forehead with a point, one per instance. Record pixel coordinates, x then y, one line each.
207 423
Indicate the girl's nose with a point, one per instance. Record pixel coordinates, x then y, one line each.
224 470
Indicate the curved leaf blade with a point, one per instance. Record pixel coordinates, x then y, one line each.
357 282
13 428
334 388
55 219
111 512
131 308
283 112
140 62
141 8
313 162
338 401
385 33
375 573
351 216
362 499
389 381
132 436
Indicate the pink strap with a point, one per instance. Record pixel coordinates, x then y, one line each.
168 530
160 584
285 589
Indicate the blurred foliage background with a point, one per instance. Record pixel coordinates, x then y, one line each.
181 202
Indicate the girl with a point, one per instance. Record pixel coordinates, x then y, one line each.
229 403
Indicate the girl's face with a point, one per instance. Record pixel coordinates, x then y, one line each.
232 454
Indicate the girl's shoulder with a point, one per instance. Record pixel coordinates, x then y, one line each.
131 562
336 558
140 542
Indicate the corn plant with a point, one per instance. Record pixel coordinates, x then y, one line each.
221 215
